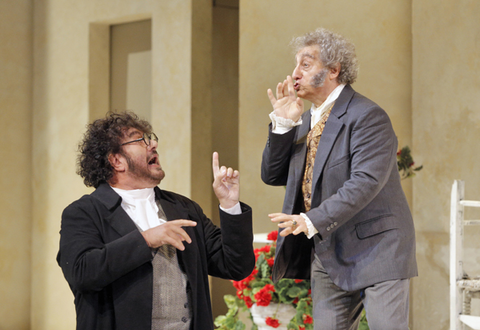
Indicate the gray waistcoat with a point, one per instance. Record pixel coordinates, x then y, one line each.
170 306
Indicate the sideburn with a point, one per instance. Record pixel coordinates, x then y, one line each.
319 78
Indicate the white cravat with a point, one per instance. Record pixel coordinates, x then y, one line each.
141 207
317 113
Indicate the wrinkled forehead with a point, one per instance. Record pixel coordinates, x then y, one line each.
310 52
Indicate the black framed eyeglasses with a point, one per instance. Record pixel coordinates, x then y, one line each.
145 138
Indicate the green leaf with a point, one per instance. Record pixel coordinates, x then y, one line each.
363 325
230 300
266 270
294 291
220 320
239 325
284 282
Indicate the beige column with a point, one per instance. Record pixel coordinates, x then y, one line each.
181 100
16 35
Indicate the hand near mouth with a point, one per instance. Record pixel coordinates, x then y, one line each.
287 105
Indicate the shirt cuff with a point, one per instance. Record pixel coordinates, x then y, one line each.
311 230
282 125
235 210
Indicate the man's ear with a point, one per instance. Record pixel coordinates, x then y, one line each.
118 162
335 71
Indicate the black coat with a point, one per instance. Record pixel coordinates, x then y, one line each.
107 262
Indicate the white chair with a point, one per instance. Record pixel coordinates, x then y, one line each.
462 287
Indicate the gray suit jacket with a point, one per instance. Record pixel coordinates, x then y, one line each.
366 232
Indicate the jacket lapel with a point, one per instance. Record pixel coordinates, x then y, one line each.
118 218
171 207
175 211
329 135
301 150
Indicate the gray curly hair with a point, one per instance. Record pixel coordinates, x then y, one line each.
333 49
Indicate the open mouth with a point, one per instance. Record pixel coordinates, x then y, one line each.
296 86
153 160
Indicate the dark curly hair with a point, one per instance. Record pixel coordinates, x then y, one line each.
102 138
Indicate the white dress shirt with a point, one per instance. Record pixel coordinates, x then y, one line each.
141 207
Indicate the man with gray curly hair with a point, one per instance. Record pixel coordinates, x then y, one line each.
345 223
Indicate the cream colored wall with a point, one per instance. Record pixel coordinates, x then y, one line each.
16 67
446 121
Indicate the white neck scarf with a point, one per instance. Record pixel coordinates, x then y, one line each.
317 113
140 206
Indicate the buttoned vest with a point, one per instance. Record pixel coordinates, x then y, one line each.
170 304
313 139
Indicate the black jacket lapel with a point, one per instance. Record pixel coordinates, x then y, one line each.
118 218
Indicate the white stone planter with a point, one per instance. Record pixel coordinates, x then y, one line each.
284 313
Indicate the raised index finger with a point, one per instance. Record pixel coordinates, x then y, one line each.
215 164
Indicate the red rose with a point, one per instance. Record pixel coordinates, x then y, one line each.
301 327
256 252
248 301
243 284
272 236
269 287
250 277
240 294
263 296
295 301
307 319
272 322
298 281
270 262
237 285
265 248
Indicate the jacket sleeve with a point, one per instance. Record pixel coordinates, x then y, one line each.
276 157
230 248
373 146
89 257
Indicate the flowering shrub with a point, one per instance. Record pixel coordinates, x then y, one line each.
406 164
259 289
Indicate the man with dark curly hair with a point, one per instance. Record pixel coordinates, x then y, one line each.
136 256
345 222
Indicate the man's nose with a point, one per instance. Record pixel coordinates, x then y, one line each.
153 145
296 73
